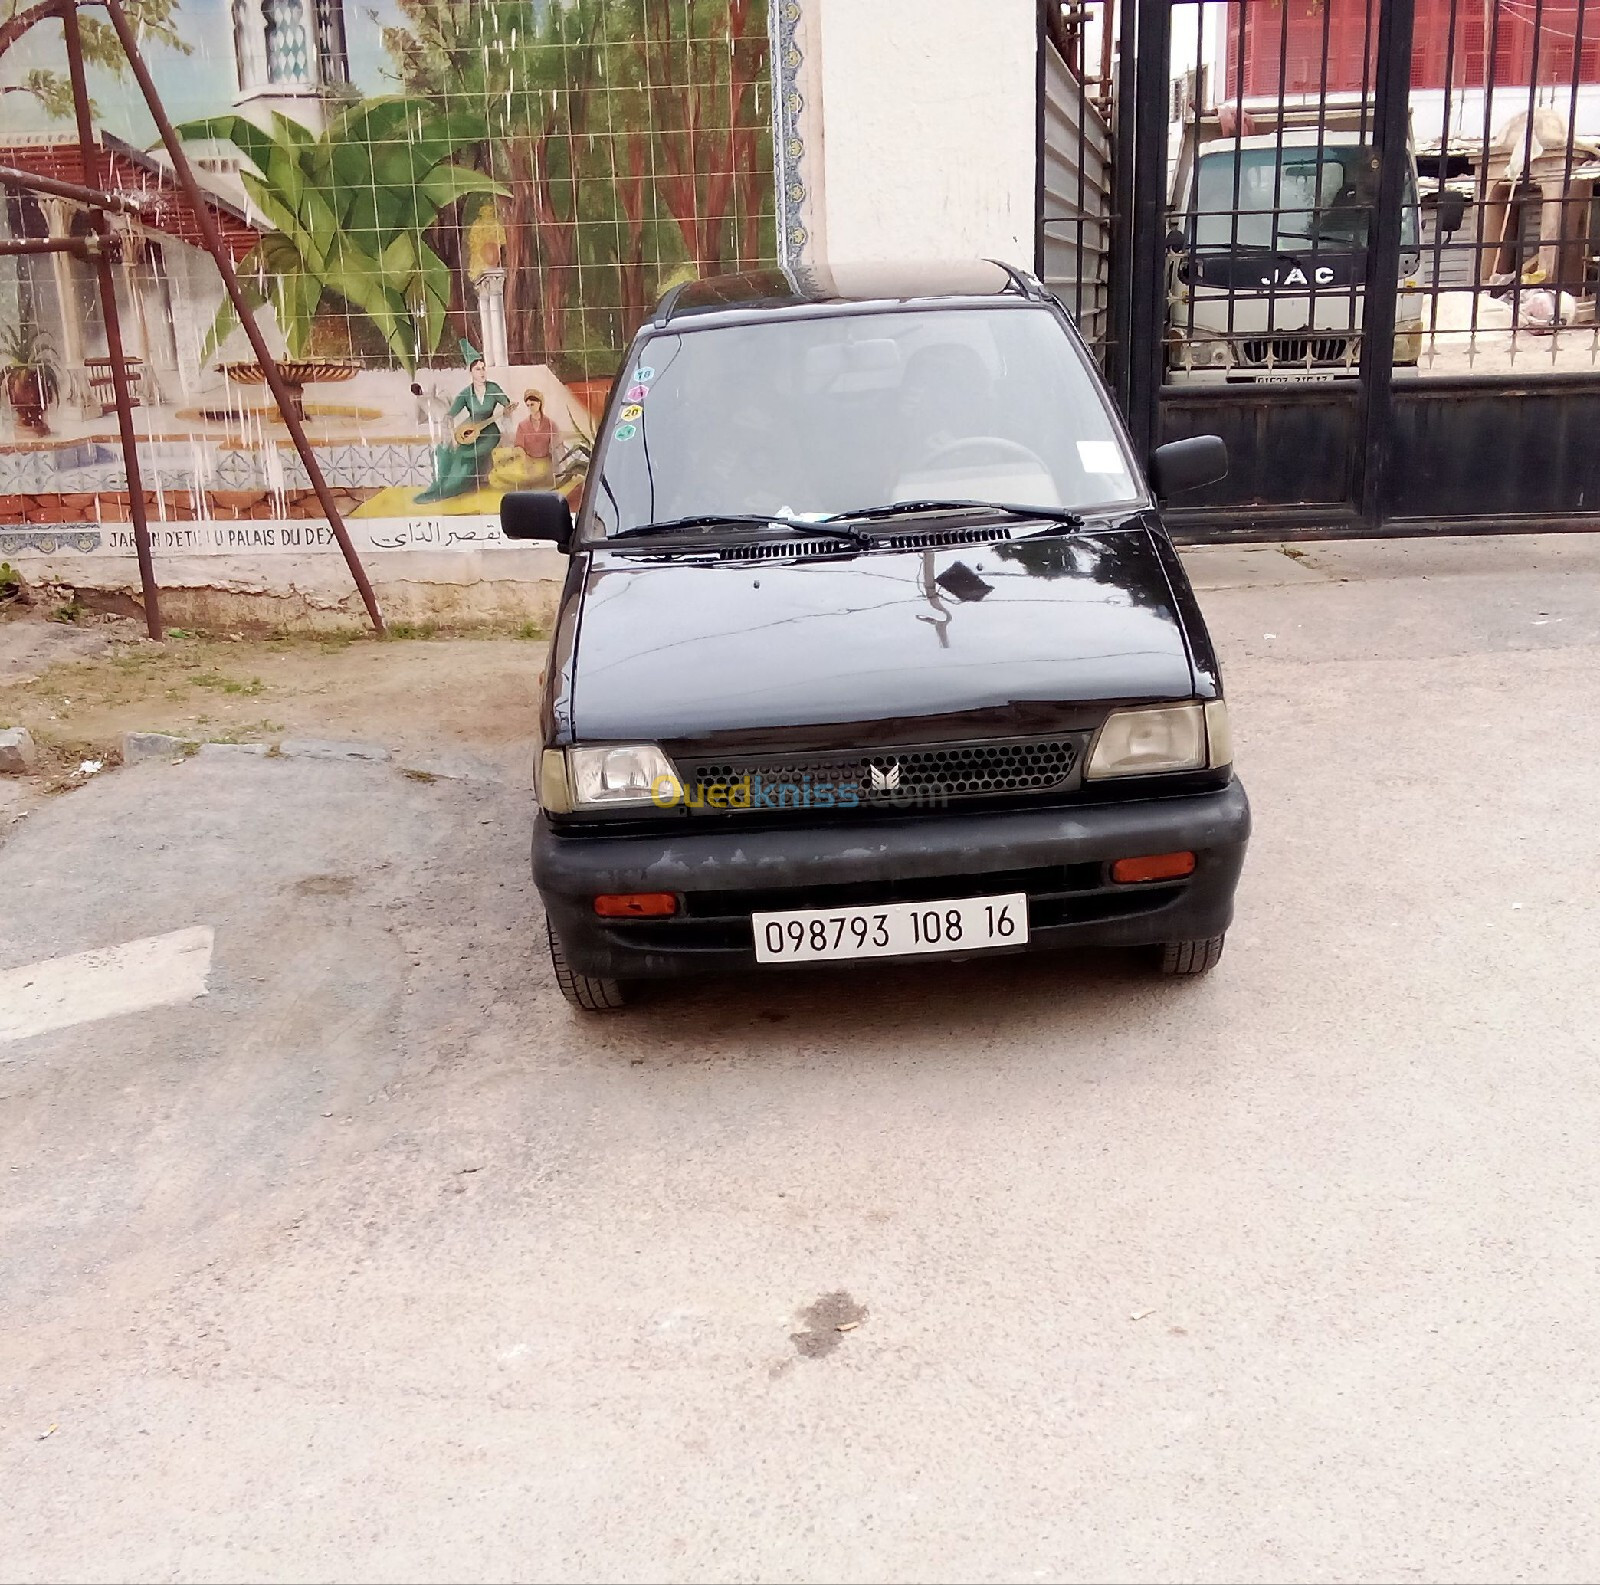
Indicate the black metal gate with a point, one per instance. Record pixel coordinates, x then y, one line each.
1362 247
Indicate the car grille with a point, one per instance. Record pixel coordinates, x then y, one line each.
927 776
1262 351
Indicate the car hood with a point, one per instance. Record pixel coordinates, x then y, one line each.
1011 636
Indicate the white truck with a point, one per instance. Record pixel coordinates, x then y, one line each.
1267 247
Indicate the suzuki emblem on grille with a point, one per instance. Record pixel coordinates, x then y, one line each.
885 778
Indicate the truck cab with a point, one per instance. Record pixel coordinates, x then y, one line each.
1270 220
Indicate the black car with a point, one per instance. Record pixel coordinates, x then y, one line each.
873 644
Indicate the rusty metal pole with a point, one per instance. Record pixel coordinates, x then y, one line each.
113 323
230 280
17 247
26 181
1108 28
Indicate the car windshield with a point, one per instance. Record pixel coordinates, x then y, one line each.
1323 197
819 415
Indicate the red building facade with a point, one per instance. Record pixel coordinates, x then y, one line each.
1551 43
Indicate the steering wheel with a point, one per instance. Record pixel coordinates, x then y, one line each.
996 446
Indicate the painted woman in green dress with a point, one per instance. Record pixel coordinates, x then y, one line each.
462 464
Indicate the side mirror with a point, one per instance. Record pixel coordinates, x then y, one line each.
1177 240
1187 464
537 514
1451 212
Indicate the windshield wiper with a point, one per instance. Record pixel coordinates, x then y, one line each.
789 525
1058 517
704 520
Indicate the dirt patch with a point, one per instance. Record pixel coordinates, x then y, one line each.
31 642
828 1321
417 691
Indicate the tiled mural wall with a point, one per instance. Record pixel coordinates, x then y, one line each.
453 214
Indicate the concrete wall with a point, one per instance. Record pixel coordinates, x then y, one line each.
928 111
499 588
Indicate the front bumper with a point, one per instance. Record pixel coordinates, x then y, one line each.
1059 857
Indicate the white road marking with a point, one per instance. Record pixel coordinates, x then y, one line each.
60 992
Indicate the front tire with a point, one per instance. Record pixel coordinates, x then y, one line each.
1188 959
584 991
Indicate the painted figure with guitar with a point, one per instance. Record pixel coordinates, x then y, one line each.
462 463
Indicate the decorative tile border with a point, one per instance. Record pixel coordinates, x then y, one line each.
248 537
47 541
92 470
788 146
371 536
795 109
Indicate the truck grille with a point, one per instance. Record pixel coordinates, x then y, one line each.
1260 351
923 776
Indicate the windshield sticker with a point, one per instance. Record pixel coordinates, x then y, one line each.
630 413
637 393
644 374
625 431
1100 456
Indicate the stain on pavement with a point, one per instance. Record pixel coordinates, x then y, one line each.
827 1323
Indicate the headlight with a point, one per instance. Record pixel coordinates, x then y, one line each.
1168 737
613 775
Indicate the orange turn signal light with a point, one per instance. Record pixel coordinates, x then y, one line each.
1154 867
636 905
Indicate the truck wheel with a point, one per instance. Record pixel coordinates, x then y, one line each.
1189 958
583 990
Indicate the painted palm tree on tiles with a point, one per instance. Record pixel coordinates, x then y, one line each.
351 211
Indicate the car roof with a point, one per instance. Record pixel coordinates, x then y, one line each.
759 292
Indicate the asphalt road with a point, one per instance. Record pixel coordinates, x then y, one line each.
378 1263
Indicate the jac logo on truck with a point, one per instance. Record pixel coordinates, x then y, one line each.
1242 272
1295 275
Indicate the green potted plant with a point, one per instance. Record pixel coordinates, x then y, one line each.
30 373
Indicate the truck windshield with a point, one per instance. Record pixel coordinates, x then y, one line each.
1323 198
817 415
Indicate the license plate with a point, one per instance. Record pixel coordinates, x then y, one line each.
893 930
1294 377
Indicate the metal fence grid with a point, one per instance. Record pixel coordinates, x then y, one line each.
1274 188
